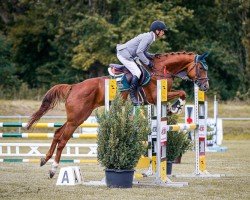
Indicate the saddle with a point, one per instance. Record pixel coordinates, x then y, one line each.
123 76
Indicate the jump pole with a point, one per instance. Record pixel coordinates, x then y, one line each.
44 125
46 135
37 160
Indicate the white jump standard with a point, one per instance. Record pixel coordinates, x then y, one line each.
200 137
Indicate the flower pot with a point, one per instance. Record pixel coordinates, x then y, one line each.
169 167
119 178
210 143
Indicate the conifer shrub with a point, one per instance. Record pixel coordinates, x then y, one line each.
121 135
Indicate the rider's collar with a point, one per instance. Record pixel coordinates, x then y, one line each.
154 36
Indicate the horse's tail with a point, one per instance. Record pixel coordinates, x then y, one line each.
52 97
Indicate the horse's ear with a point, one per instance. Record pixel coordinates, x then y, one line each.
203 56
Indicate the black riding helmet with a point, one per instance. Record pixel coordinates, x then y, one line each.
158 25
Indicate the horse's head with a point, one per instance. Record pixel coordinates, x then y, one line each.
183 64
197 71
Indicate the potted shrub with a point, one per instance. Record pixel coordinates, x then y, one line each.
187 144
120 141
178 143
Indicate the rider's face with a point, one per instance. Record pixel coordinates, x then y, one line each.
160 33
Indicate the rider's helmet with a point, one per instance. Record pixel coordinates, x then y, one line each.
158 25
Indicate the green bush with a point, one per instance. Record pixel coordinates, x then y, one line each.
121 135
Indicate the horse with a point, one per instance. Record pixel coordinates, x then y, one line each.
82 98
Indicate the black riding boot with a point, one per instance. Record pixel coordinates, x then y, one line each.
133 90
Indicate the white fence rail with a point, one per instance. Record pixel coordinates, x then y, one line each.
34 149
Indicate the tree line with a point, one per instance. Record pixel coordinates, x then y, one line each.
46 42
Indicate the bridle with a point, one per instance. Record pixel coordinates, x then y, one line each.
197 79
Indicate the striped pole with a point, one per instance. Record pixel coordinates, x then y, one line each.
44 125
19 160
46 135
182 127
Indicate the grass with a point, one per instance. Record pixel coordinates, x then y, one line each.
29 181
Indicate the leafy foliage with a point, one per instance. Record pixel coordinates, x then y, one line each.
8 79
52 42
121 135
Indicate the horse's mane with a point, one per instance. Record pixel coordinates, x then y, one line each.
178 53
171 59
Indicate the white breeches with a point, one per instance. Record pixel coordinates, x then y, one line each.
130 65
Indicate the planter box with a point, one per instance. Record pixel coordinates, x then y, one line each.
119 178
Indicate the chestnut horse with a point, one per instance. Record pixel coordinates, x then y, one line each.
82 98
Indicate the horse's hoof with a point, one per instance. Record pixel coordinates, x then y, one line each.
51 173
42 162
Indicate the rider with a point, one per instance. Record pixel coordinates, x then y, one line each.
138 47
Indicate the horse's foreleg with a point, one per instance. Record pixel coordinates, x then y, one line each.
55 140
177 106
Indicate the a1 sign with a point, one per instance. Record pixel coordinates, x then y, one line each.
69 176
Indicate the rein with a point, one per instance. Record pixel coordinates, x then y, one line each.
167 74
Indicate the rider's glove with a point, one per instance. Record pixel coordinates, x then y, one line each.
157 55
150 64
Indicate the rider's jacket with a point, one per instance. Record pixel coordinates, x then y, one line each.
137 47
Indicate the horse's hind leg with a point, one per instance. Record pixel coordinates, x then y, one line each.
52 148
69 129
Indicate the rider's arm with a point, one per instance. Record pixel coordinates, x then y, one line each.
149 55
142 48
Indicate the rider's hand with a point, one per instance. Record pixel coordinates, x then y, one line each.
150 64
157 55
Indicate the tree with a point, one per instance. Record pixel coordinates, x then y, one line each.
68 41
8 79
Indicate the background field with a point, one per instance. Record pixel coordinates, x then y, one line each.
232 129
29 181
